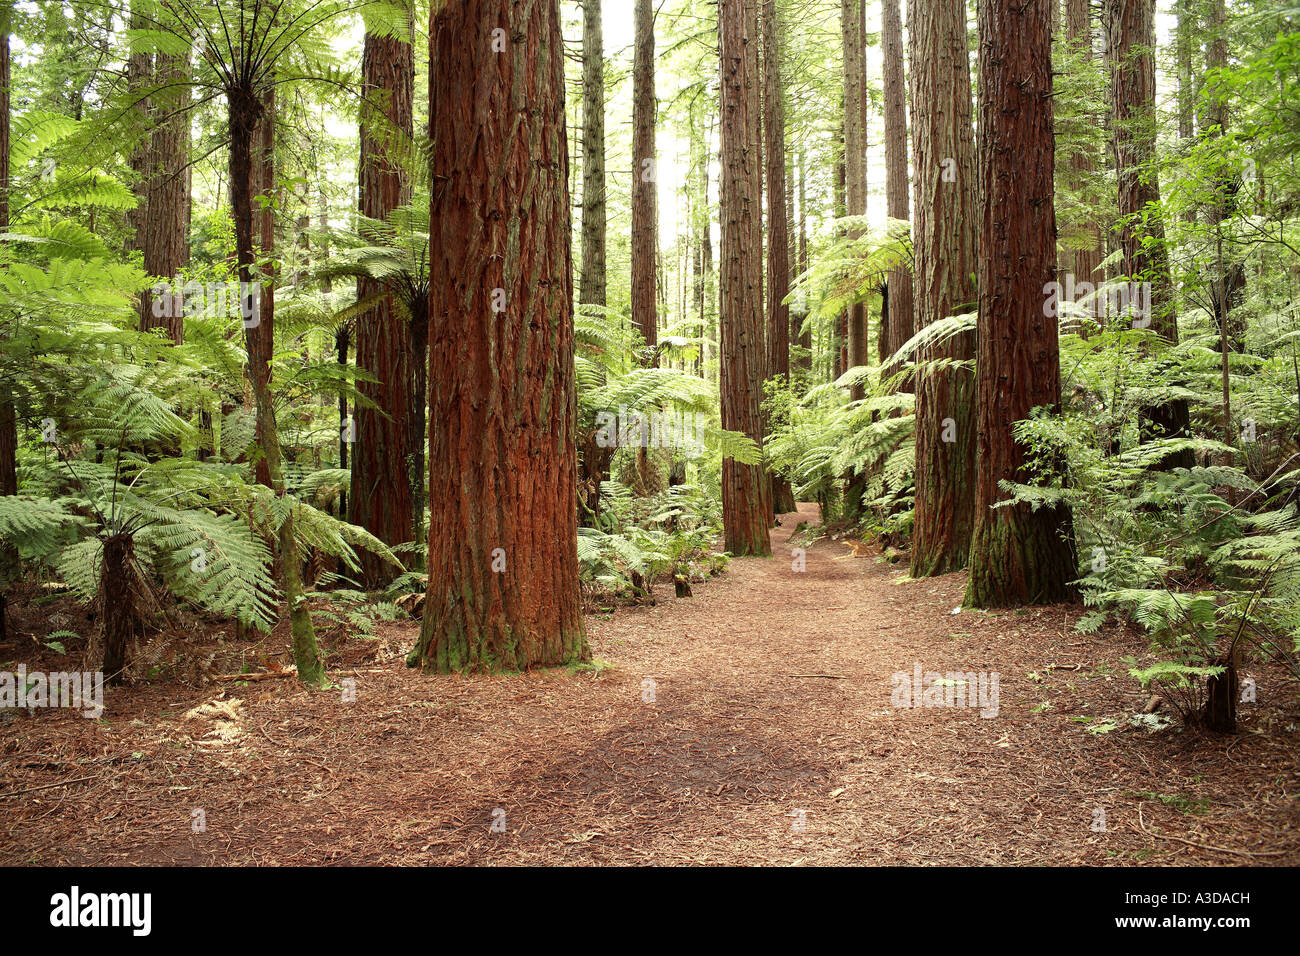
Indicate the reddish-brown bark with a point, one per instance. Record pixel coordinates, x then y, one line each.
1018 555
165 224
644 189
853 35
502 458
944 234
591 288
387 454
745 492
896 318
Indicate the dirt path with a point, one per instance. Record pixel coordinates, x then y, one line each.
743 756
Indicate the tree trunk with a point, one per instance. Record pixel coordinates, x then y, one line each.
1085 261
385 482
745 505
1018 555
503 560
855 159
8 416
1230 276
898 323
778 238
252 115
592 285
1131 45
944 234
165 226
644 190
119 594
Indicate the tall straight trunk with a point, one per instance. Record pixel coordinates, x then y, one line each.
252 119
1227 288
8 415
805 334
778 237
644 188
745 502
945 239
898 323
1131 51
503 558
1018 555
165 226
261 335
1085 260
387 466
591 288
839 329
855 157
139 77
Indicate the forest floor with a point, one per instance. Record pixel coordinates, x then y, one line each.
770 739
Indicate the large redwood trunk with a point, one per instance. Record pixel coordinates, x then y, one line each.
8 417
896 319
944 233
778 236
1131 52
387 455
166 223
1085 260
503 561
1018 555
644 190
745 502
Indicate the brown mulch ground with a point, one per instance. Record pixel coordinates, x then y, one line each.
771 739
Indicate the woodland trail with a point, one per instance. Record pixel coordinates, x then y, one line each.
771 696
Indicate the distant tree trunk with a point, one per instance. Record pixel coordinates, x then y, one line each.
1131 51
839 328
855 158
167 194
803 335
251 116
898 323
592 285
1018 555
1230 279
1084 261
503 560
944 236
387 473
8 415
745 504
644 189
778 238
139 76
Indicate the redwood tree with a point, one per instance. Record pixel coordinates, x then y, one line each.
896 319
778 237
165 223
745 501
8 415
944 235
387 455
503 560
855 156
1130 34
1018 554
644 190
591 288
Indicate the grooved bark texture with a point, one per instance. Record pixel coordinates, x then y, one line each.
944 233
897 322
745 501
1131 50
855 158
502 457
1084 262
591 288
644 190
8 416
387 456
1018 555
166 225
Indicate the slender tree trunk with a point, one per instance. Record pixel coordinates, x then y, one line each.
778 239
855 158
592 285
1018 555
121 623
745 505
945 232
503 560
1227 289
1131 51
252 117
387 477
1085 260
644 189
804 335
139 76
899 322
165 227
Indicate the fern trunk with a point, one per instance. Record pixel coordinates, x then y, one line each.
119 592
